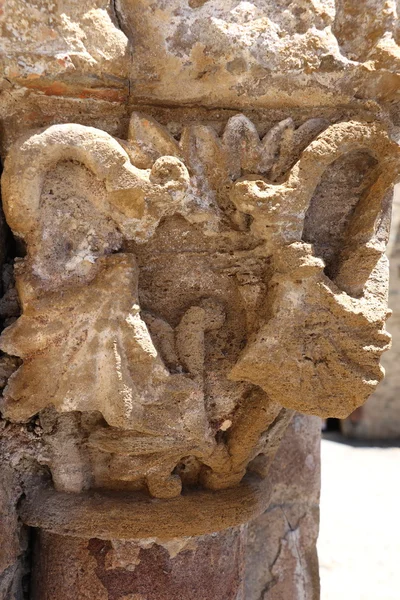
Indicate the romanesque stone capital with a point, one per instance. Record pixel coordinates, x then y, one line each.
176 310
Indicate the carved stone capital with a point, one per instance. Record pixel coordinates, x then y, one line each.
177 307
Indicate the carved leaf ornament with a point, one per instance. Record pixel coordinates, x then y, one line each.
313 336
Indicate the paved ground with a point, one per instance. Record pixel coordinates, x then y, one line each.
359 543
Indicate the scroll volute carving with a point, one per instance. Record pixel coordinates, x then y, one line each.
170 304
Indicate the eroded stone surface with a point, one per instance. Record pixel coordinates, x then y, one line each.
249 53
186 288
205 568
235 53
75 49
281 557
169 296
379 417
20 449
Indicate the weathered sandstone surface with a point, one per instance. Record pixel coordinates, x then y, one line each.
379 417
198 196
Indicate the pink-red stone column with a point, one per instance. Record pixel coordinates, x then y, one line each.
208 567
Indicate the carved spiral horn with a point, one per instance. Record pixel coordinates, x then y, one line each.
128 187
260 198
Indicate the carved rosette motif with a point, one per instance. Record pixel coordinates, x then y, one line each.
174 314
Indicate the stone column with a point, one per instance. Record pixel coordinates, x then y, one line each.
281 560
199 198
168 333
204 568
